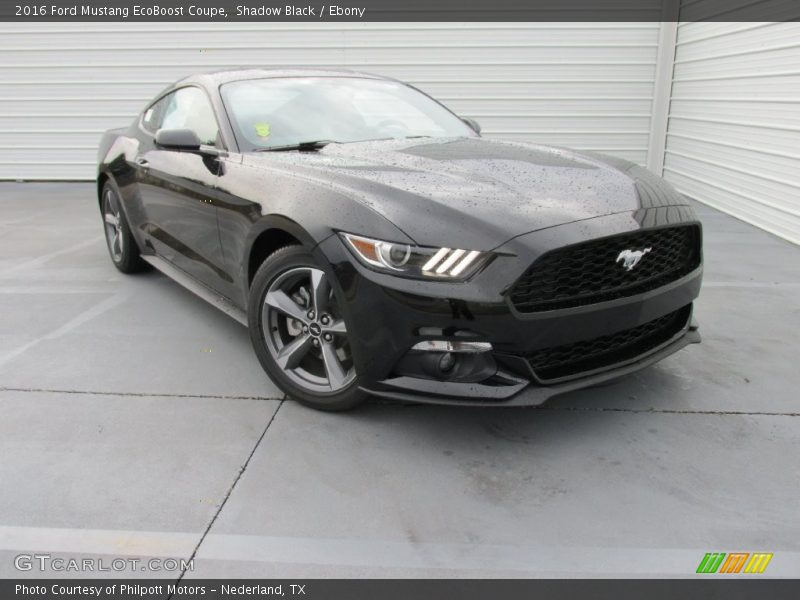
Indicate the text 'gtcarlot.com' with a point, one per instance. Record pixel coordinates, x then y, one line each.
47 562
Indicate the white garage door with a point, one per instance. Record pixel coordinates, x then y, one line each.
734 127
586 85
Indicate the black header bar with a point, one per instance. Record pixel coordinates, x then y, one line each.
404 589
398 10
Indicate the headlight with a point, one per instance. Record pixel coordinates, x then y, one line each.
416 261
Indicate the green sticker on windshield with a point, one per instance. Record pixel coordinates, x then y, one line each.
262 129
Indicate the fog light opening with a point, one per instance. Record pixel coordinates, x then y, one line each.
447 362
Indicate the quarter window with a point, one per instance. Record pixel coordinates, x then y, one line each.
151 120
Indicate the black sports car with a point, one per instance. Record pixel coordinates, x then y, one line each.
374 243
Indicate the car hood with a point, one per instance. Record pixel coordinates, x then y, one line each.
474 192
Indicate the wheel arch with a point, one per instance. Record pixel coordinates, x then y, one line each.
270 234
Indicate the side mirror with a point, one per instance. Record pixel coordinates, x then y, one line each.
472 123
185 139
178 139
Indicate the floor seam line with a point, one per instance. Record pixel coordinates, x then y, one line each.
666 411
135 394
228 493
729 413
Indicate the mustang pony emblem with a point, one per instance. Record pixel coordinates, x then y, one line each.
631 257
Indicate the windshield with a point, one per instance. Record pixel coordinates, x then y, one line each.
281 112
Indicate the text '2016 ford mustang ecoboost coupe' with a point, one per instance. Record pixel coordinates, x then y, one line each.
374 243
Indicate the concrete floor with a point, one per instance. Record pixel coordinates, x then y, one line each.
135 421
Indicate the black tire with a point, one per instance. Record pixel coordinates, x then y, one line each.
121 244
313 379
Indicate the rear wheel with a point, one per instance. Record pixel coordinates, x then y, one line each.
299 333
121 245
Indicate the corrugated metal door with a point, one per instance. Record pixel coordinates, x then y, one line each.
585 85
733 138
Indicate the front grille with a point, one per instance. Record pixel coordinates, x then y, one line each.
590 272
608 350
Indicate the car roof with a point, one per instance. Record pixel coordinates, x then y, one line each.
216 78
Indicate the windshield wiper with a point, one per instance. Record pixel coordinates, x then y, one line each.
301 146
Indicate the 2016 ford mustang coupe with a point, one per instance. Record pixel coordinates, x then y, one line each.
375 244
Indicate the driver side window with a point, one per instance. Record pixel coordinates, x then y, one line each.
187 108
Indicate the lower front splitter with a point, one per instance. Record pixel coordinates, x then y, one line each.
516 393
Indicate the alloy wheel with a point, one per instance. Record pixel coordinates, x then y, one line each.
305 332
113 225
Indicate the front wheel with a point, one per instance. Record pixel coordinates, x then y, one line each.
299 333
120 241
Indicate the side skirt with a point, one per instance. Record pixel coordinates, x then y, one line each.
197 288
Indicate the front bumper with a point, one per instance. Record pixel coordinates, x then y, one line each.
388 315
526 393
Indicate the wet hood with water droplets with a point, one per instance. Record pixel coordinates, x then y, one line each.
474 192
